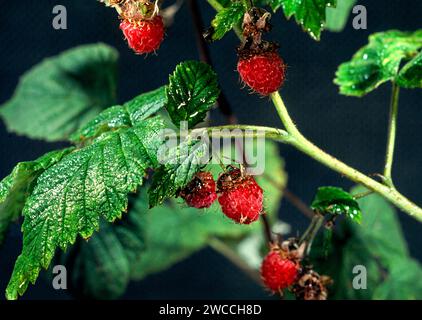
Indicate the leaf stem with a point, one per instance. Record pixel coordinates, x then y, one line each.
392 130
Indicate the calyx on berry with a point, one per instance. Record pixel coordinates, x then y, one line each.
260 65
240 197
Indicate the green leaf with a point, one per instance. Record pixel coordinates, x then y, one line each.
61 93
379 62
377 244
336 201
337 17
16 187
191 92
71 196
101 267
174 232
411 74
310 14
227 18
402 283
179 166
127 115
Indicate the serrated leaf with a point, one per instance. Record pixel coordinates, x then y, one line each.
379 62
127 115
227 18
179 166
101 267
191 92
173 232
310 14
336 201
337 17
62 93
16 187
378 245
71 196
410 76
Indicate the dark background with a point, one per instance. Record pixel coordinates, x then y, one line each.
349 128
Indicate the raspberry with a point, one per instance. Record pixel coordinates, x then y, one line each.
263 72
241 197
278 272
144 36
200 192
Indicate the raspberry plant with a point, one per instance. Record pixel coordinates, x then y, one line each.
114 178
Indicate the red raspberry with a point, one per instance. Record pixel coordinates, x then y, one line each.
200 192
263 72
144 36
278 272
241 197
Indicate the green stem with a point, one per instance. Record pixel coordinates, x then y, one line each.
297 140
218 7
391 141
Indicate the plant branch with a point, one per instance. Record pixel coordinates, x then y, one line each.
231 255
297 140
391 140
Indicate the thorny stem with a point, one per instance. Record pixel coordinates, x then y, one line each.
391 140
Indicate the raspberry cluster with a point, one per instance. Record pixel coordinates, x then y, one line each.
239 195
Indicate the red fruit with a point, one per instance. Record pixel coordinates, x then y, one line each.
277 272
200 192
241 197
144 36
263 72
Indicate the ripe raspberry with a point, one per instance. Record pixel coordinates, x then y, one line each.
241 197
144 36
278 272
200 192
263 72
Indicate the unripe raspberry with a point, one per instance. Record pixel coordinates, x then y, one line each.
278 272
200 192
240 196
144 36
263 72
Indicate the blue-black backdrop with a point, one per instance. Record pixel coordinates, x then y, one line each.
350 128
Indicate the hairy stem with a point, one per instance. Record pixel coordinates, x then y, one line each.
297 140
391 140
